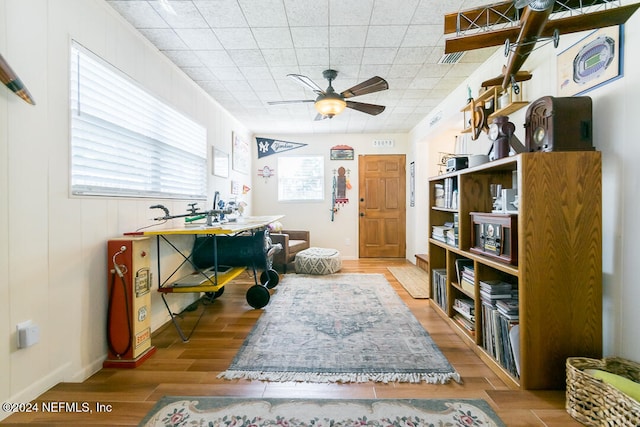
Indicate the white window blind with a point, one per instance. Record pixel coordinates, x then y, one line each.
300 178
126 142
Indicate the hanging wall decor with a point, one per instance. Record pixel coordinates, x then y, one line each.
341 152
266 172
241 158
341 184
268 146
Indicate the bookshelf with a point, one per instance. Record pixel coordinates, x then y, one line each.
555 279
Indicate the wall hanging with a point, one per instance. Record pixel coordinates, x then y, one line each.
341 184
268 146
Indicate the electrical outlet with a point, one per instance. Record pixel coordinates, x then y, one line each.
27 334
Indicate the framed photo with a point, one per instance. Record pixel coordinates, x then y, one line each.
220 163
412 184
592 62
241 157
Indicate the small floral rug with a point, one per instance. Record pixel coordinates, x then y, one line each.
339 328
229 411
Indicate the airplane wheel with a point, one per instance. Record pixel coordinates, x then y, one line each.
270 278
216 294
556 38
258 296
507 47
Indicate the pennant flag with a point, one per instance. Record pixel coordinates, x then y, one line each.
268 146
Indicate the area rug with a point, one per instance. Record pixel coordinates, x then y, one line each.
339 328
414 279
221 411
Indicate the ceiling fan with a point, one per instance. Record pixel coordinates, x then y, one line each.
330 103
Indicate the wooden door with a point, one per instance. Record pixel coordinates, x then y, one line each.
382 206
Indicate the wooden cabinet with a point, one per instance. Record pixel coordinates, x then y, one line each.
558 274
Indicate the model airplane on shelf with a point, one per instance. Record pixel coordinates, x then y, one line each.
520 24
9 78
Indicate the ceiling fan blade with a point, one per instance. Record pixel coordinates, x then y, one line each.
306 82
374 84
294 101
372 109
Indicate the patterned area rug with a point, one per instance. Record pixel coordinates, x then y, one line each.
339 328
414 279
213 411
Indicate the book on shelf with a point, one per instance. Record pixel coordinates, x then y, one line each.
438 195
439 286
464 306
461 265
498 340
467 285
467 324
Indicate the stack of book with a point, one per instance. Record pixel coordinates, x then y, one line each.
464 315
500 315
466 274
438 195
451 193
439 287
439 232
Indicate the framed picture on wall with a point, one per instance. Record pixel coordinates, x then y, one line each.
241 156
592 62
220 163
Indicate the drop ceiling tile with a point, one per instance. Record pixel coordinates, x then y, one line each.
404 70
412 55
237 86
236 38
225 74
305 37
348 36
221 13
215 58
385 36
264 13
199 39
140 14
281 58
164 39
183 58
247 57
388 12
422 35
315 56
186 15
379 55
424 83
273 38
255 73
198 73
346 55
307 13
350 12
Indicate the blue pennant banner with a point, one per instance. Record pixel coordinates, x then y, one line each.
268 146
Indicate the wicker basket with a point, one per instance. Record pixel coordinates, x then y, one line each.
595 403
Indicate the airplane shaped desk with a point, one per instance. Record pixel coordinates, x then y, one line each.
212 281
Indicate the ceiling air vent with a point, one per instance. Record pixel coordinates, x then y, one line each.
451 58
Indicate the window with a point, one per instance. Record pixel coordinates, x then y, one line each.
300 178
126 142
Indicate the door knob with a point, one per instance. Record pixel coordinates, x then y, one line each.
361 199
361 213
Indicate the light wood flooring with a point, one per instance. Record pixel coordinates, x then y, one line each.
190 369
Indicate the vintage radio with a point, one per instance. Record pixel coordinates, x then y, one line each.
495 235
457 163
559 124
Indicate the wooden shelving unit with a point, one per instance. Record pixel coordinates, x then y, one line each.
490 96
559 264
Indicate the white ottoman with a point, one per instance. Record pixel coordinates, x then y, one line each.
318 261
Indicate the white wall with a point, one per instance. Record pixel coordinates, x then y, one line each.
342 232
615 111
53 267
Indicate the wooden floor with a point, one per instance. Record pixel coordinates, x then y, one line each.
190 369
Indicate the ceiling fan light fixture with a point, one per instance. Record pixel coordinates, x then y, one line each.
330 106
